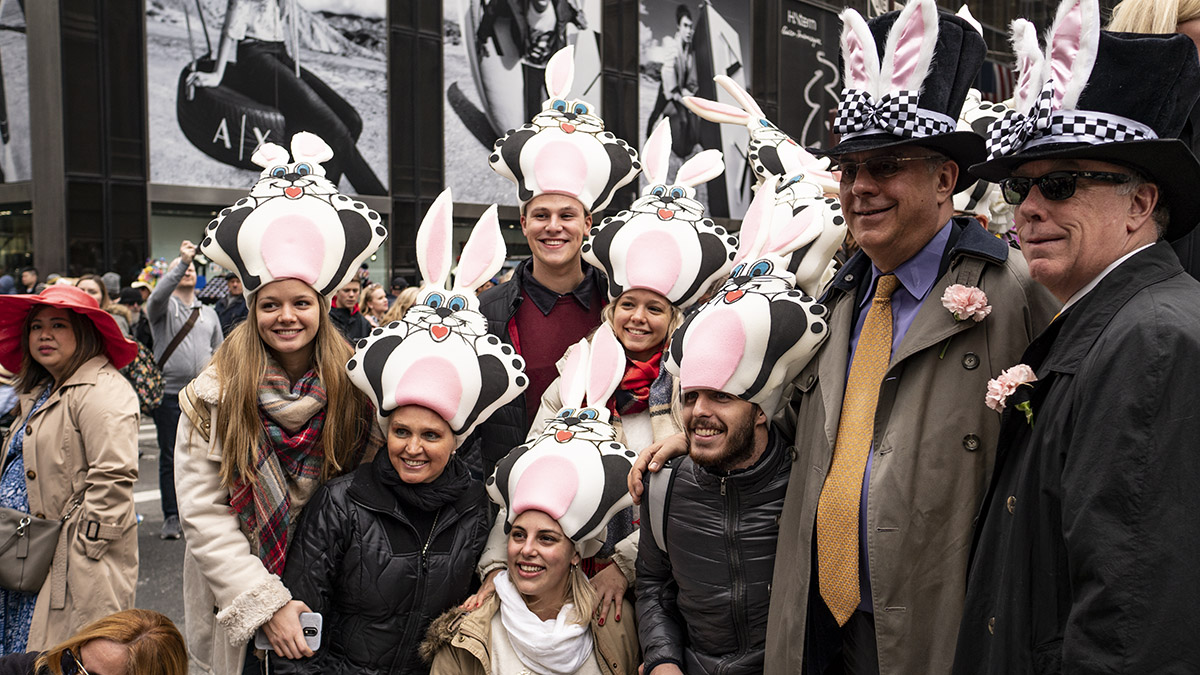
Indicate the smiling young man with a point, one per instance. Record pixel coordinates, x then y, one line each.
894 445
1084 556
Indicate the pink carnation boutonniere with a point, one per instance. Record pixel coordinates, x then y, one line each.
966 302
1002 387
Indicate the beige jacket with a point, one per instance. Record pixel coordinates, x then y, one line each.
459 643
82 443
227 592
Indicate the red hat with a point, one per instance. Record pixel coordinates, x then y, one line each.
15 308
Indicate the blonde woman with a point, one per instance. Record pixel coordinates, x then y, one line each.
404 301
373 304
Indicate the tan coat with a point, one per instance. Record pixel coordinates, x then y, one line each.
934 446
83 442
460 644
227 592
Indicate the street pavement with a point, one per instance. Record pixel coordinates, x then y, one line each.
160 568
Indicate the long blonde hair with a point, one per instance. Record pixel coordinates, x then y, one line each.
154 645
582 595
241 364
1152 16
405 300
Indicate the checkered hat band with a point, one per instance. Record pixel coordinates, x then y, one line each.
895 113
1070 126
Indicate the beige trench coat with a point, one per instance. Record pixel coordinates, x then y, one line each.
934 447
83 442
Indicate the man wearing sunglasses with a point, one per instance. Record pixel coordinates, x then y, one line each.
894 444
1084 556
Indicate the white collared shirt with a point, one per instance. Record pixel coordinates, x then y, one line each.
1094 282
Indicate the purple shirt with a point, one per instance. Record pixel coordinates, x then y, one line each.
917 276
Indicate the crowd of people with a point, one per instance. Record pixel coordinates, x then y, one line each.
864 434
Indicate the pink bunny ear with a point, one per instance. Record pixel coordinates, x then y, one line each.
434 239
656 154
703 167
719 113
798 230
910 45
606 366
740 95
309 147
1029 65
1071 48
484 254
560 71
572 384
756 225
268 155
858 51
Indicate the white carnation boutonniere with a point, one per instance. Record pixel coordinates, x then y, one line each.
1000 388
966 302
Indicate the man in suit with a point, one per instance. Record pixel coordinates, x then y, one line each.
1084 556
894 447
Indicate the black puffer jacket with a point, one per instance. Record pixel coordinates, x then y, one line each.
358 560
505 429
720 534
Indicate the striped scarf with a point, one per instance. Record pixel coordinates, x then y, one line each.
289 453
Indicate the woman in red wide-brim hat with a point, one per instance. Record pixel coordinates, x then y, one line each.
72 456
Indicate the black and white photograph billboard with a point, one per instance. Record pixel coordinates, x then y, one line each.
810 77
494 59
683 46
14 94
225 76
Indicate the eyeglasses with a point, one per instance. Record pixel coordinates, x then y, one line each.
1056 185
79 669
880 168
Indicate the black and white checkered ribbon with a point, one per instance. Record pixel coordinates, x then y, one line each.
895 113
1042 125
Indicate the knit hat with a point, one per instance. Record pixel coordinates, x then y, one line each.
294 224
461 377
1114 97
15 308
575 470
663 243
758 331
906 76
565 149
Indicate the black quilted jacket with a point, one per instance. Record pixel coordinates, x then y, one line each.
702 604
357 560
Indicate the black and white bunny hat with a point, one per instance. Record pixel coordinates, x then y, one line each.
463 378
441 305
565 149
759 330
906 76
575 470
294 224
663 243
1115 97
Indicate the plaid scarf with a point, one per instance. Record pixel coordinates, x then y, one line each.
288 453
633 395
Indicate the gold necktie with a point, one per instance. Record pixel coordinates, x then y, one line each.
838 508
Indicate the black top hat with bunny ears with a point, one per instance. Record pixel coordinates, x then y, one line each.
575 470
294 224
442 305
906 76
1114 97
663 243
565 149
757 333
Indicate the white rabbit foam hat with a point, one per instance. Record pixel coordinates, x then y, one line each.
906 75
663 243
463 378
441 302
575 470
757 333
983 197
294 224
1115 97
565 149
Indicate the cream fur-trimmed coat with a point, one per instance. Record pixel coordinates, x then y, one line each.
227 592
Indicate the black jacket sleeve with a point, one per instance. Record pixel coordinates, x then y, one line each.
660 631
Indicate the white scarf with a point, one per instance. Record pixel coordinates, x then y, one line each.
557 647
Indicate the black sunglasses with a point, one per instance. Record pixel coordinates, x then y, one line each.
880 168
1056 185
79 669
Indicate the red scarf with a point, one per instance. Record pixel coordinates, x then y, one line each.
633 395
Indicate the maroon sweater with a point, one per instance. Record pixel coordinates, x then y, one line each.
542 339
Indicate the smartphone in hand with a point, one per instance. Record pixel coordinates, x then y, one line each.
310 623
